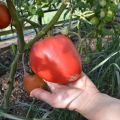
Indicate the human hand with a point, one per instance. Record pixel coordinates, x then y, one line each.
81 96
70 96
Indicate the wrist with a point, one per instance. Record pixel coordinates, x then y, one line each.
92 106
99 107
85 102
88 105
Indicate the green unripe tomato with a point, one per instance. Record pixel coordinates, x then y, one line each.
102 3
94 21
102 13
113 6
109 16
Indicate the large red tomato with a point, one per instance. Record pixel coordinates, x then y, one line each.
5 17
55 59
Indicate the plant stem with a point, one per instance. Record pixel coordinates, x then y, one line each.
29 110
49 26
11 81
21 45
11 117
18 25
34 24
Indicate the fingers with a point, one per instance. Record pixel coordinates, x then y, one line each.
43 95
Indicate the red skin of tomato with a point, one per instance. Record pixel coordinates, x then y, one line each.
55 59
5 17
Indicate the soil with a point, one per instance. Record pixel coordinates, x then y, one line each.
19 95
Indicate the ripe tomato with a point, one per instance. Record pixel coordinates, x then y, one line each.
5 17
55 59
31 82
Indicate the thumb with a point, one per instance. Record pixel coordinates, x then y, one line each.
42 94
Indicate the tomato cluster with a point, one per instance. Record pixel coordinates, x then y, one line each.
104 10
5 17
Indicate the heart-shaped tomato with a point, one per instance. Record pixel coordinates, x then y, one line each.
55 59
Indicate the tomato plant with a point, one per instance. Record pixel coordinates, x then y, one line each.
5 17
55 59
31 82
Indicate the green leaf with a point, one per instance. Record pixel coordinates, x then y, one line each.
104 61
